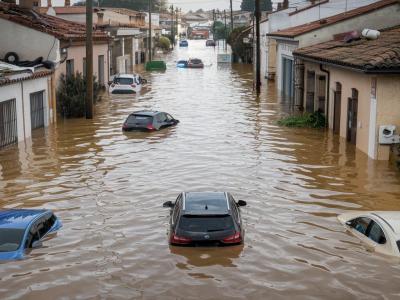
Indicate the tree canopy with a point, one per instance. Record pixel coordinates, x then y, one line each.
249 5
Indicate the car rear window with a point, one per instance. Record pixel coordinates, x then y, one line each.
195 61
196 223
121 80
10 239
139 120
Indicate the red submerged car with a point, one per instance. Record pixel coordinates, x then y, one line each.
195 63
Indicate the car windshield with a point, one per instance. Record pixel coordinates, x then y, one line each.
139 120
121 80
10 239
196 223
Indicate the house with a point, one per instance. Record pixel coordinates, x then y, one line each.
26 102
127 28
357 83
292 13
370 16
31 35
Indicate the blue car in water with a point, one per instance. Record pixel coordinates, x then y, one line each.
182 63
22 229
183 43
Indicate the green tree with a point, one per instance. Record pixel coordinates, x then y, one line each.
164 43
249 5
218 30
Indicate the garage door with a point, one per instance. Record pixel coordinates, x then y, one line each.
37 110
8 123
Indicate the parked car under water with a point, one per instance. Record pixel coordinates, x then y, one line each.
195 63
379 230
210 43
147 120
126 84
22 229
205 219
182 63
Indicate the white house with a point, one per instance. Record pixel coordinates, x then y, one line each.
25 102
380 14
293 14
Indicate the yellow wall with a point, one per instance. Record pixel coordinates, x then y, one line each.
388 107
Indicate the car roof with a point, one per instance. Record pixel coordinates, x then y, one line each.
149 113
205 203
19 218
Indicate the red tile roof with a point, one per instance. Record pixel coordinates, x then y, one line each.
308 27
380 55
61 29
39 74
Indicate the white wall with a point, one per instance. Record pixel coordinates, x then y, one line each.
21 92
28 43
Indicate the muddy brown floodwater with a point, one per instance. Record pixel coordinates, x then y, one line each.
108 188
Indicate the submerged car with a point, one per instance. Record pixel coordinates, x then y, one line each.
210 43
126 84
182 63
148 120
21 229
377 229
205 219
195 63
183 43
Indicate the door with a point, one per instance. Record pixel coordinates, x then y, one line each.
352 118
287 76
337 108
37 110
101 69
8 123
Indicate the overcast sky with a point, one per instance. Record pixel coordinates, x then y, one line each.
194 5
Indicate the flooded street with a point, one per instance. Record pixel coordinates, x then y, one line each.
108 187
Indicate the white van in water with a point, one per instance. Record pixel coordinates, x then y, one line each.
126 84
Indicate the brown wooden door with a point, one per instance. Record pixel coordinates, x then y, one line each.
336 112
352 120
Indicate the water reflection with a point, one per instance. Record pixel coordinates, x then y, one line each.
205 257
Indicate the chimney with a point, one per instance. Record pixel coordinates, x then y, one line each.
67 2
285 4
49 3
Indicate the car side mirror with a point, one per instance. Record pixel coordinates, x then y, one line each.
241 203
168 204
37 244
176 121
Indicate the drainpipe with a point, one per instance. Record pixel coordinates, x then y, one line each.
327 94
23 108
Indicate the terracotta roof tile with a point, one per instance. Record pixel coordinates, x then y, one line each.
39 74
60 28
382 54
308 27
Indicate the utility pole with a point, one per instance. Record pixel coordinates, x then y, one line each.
150 37
258 67
89 60
231 17
176 18
225 30
214 25
172 27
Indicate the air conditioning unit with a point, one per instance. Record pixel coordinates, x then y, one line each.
387 136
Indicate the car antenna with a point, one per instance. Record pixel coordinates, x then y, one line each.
206 207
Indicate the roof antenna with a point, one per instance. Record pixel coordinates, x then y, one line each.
206 207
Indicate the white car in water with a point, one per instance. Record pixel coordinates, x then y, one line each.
126 84
379 230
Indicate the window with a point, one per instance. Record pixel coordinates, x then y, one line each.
177 209
169 118
195 223
10 239
121 80
8 123
360 224
139 120
376 234
69 67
